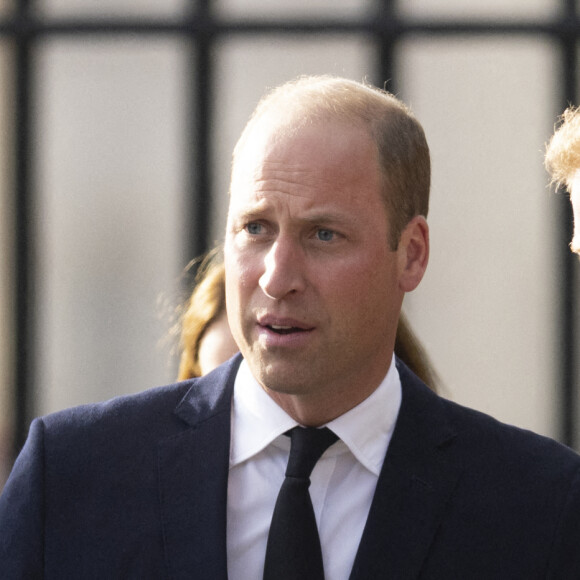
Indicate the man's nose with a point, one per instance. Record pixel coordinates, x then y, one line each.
283 270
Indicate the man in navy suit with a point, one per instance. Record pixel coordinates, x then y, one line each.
326 233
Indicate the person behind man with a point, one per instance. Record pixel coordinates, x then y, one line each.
205 340
562 161
326 233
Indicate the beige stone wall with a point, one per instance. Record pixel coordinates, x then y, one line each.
488 306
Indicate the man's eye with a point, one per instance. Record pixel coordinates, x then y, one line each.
254 228
325 235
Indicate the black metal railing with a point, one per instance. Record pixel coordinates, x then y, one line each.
202 29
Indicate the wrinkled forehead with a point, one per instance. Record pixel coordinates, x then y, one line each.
253 146
269 128
270 134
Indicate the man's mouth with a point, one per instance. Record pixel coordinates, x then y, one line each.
284 329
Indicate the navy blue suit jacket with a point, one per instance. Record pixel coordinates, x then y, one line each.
136 488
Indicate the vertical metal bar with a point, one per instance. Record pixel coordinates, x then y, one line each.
24 235
387 41
200 206
566 262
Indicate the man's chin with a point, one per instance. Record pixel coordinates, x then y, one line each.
282 377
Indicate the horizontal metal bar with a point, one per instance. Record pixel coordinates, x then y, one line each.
191 26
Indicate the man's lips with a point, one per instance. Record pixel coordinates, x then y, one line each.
278 332
283 325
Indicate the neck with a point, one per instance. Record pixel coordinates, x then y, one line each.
317 410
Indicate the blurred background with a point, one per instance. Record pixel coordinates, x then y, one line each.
117 121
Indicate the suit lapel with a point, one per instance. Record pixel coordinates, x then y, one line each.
415 484
193 475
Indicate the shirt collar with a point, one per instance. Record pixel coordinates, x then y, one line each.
365 430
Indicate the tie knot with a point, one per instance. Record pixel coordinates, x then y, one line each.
308 445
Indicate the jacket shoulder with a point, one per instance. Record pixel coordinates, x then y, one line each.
476 431
513 495
149 414
151 409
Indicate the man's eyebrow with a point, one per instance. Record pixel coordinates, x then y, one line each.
319 218
329 218
251 211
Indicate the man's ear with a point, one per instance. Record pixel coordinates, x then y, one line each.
413 253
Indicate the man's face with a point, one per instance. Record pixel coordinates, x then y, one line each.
312 286
575 199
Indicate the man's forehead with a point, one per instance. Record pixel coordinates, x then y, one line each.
575 183
269 133
314 146
574 190
265 131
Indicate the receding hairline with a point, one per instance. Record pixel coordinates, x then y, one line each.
311 99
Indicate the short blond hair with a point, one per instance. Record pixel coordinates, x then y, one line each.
562 159
402 148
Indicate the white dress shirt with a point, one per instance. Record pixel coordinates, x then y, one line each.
343 480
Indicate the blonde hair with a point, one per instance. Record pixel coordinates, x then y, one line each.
205 305
402 148
411 351
563 151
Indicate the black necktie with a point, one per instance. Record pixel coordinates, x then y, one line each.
293 551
